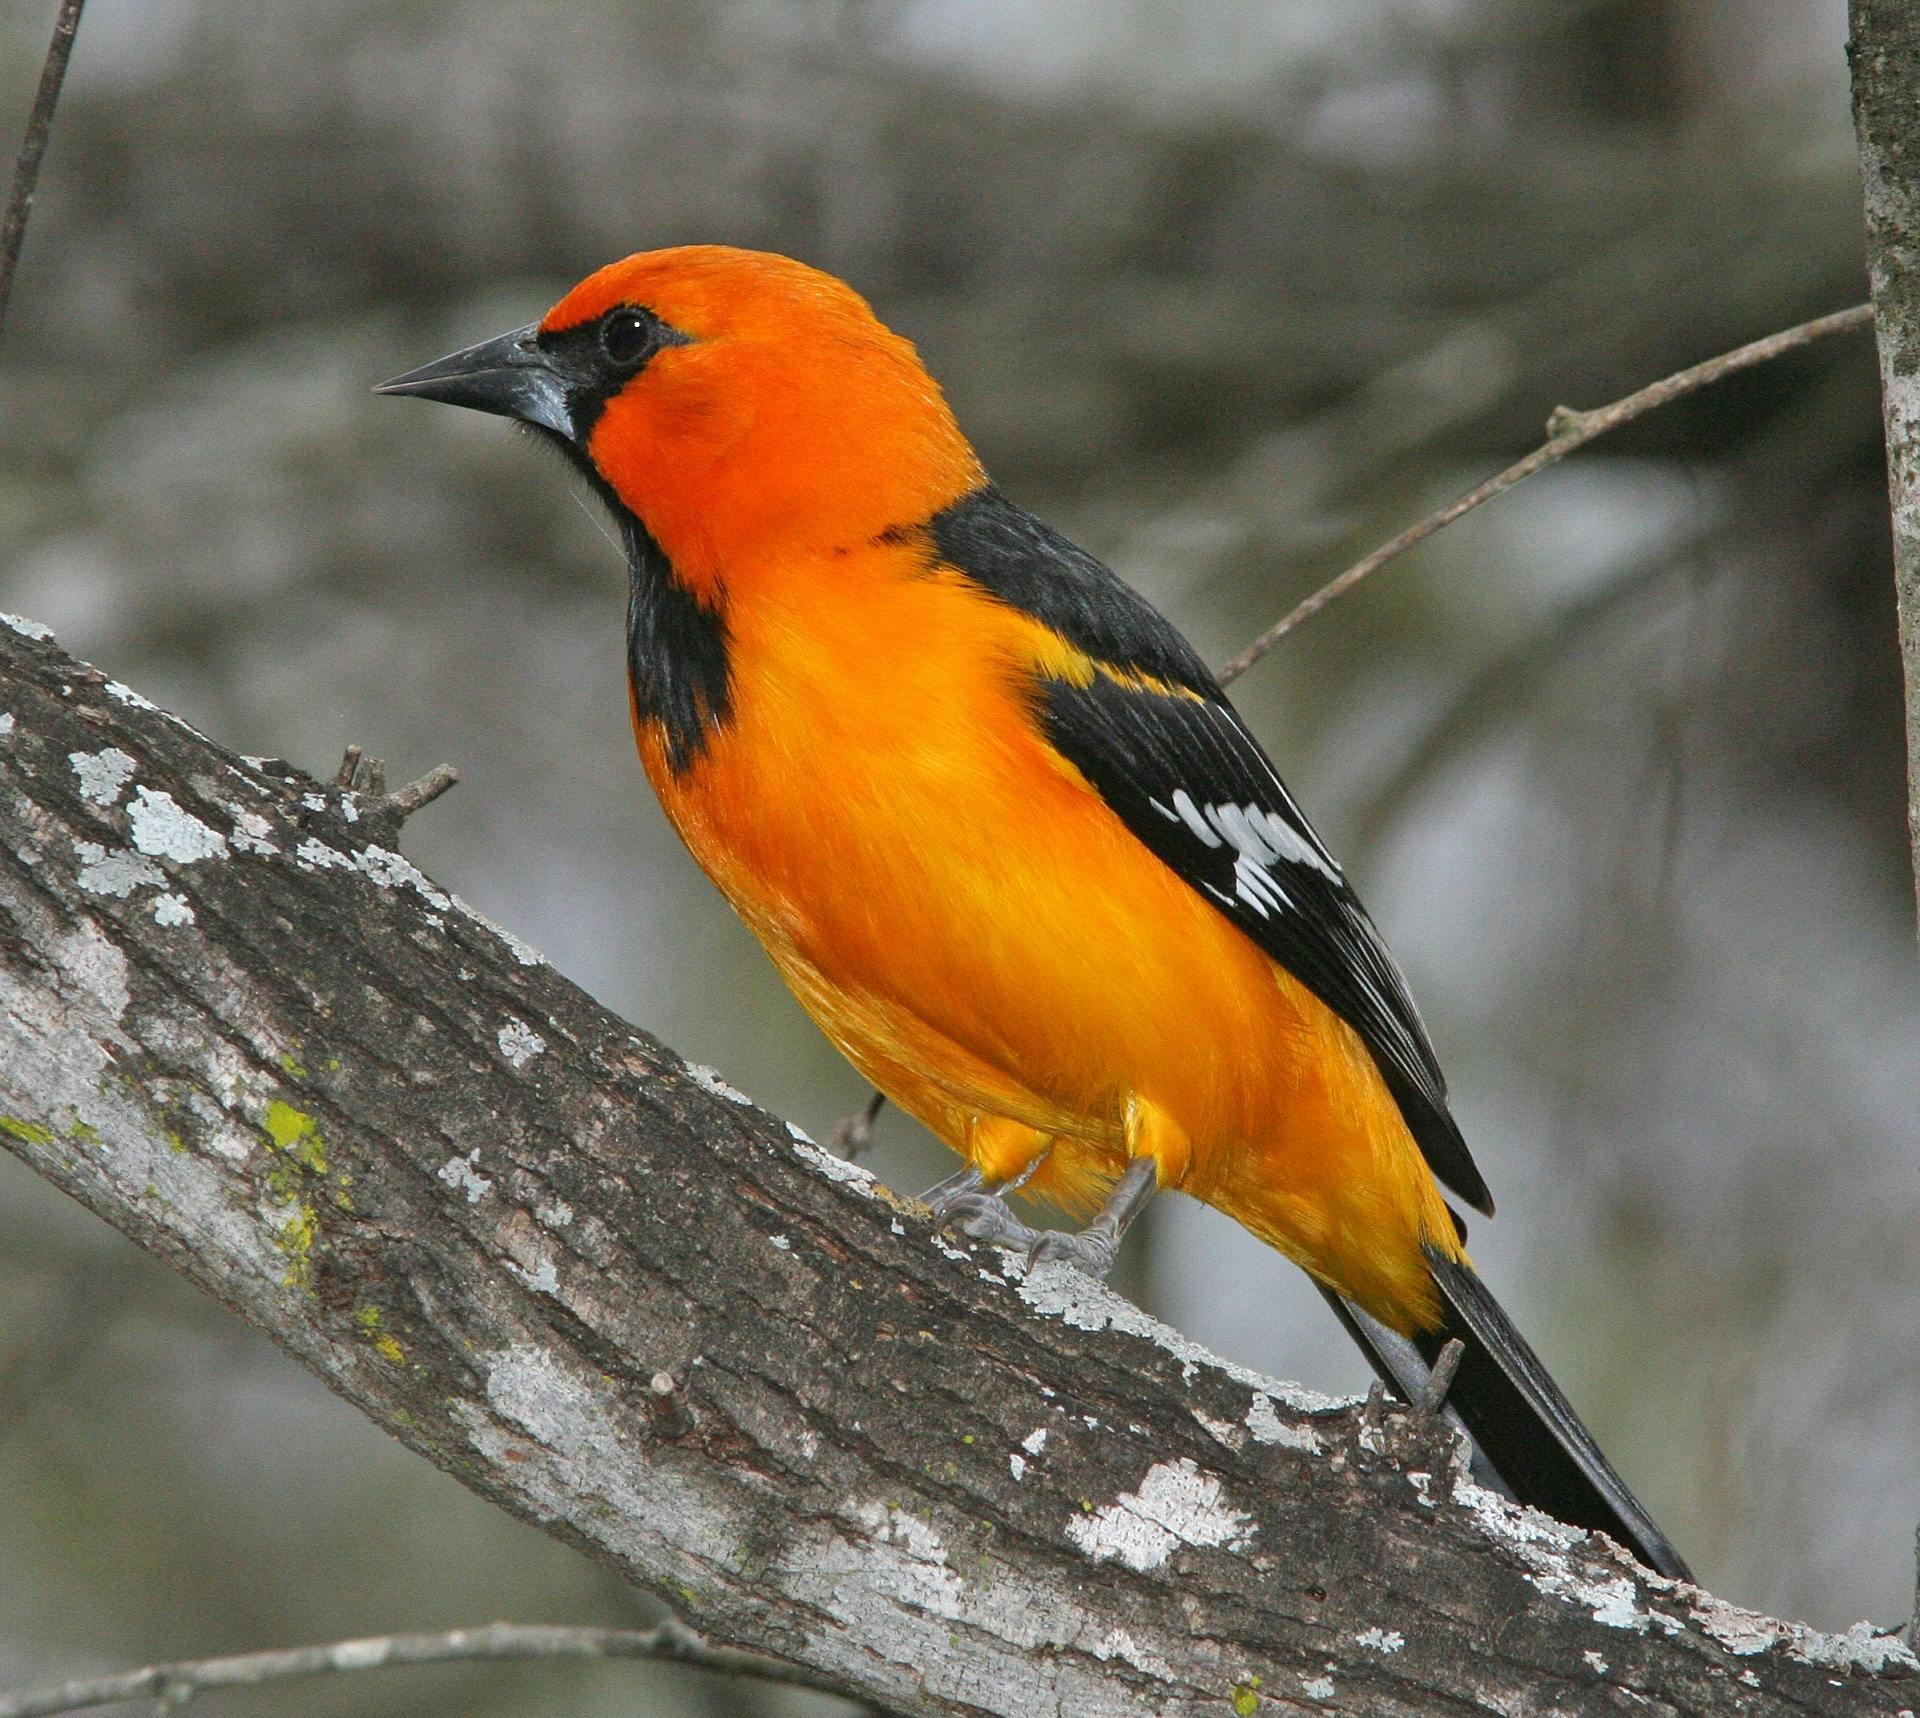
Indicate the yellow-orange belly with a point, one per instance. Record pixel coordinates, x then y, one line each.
984 938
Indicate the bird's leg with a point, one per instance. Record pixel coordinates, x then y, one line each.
1158 1149
942 1193
1093 1248
962 1201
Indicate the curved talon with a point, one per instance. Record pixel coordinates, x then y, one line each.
1091 1250
988 1217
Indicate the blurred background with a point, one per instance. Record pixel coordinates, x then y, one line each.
1229 291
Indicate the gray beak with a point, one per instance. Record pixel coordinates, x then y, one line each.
509 376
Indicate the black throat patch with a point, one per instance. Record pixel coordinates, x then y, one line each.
676 651
677 659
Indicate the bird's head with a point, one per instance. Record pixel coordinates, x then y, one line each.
736 402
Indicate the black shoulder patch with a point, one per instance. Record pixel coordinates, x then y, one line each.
1028 565
1192 784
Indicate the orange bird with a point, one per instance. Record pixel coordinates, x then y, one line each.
1000 829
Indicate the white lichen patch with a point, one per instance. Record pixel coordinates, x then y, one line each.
555 1213
126 695
796 1132
708 1080
519 1043
1544 1546
172 909
781 1243
314 801
1035 1441
26 628
524 955
946 1249
1526 1529
1017 1466
1317 1687
1595 1663
1745 1634
117 874
103 775
835 1168
461 1174
1268 1428
391 871
1612 1603
1076 1299
1118 1644
6 723
314 854
1176 1505
920 1573
162 829
252 833
1380 1640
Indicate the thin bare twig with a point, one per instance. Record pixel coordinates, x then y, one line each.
26 166
176 1684
409 799
1567 429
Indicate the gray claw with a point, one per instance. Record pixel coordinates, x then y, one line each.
1091 1250
987 1217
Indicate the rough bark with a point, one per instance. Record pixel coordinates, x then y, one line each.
1884 51
235 1023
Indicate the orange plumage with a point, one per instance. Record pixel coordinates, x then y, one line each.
996 824
949 899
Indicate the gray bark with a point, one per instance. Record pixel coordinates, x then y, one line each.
1884 50
237 1025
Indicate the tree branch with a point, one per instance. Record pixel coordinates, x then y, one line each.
176 1684
1884 51
494 1216
1567 430
26 166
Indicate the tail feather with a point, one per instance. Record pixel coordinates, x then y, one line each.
1522 1427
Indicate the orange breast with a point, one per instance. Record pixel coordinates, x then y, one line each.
969 922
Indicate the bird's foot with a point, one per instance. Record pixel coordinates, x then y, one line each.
987 1217
1092 1249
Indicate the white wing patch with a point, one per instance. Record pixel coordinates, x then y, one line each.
1259 838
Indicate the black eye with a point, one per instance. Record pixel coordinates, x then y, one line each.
627 335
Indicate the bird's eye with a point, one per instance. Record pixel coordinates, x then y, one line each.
626 335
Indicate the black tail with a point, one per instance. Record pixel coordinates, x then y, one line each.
1522 1427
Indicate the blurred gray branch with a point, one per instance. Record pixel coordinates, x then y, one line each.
611 1296
176 1684
1567 430
33 147
1884 49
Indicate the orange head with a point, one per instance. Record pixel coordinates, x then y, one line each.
737 403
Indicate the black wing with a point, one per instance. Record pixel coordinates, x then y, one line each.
1193 785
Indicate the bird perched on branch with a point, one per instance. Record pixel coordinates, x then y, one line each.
999 828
